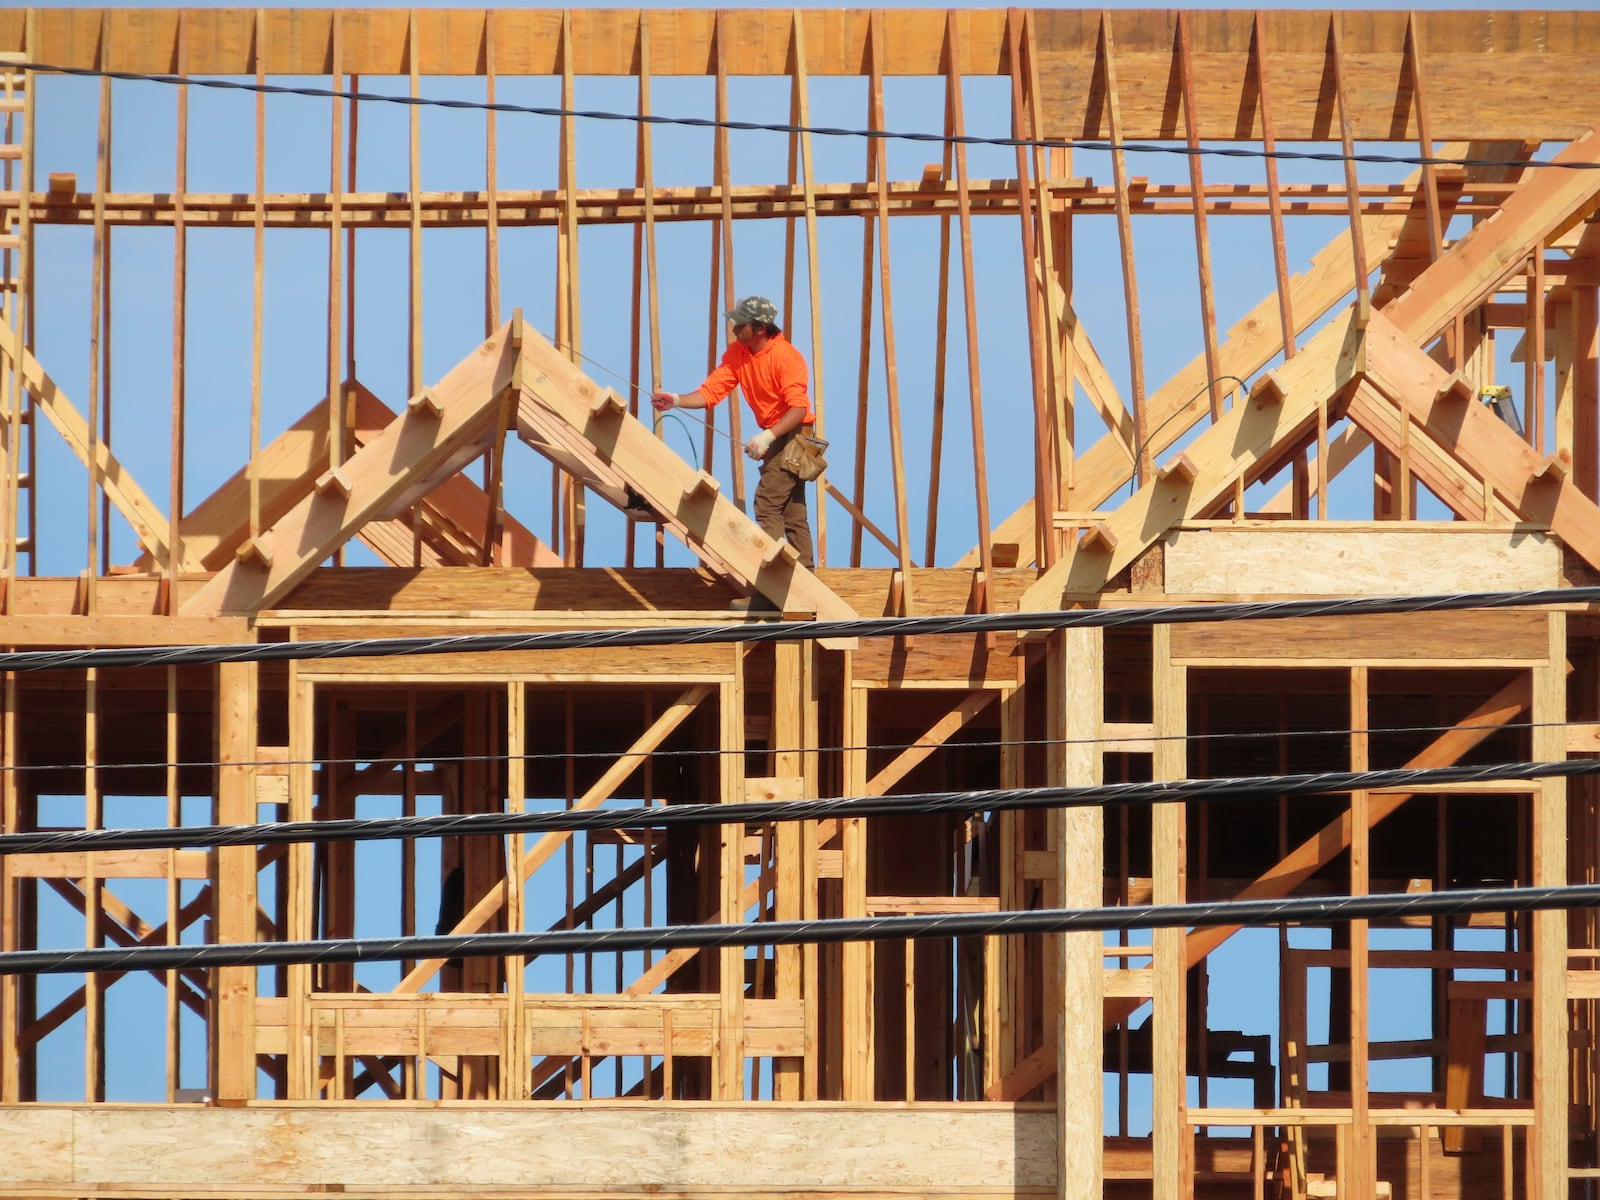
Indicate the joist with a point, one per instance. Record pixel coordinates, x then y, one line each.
401 464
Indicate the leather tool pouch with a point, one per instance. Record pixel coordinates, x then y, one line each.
803 457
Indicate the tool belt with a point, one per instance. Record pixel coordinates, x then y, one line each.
802 456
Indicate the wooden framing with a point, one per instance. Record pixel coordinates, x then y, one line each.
975 1067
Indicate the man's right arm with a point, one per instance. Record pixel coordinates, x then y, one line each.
716 387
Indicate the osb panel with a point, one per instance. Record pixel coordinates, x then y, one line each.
1398 561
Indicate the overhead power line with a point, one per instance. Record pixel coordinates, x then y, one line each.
541 110
1112 795
786 631
1319 909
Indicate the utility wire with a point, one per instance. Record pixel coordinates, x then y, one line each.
278 89
1318 909
788 631
1111 795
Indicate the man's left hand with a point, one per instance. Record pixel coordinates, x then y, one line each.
756 448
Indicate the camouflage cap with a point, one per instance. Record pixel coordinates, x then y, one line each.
753 309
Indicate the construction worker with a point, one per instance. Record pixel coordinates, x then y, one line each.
774 378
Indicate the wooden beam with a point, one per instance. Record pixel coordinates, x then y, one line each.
406 459
1078 760
1229 450
556 416
149 525
1547 58
1483 443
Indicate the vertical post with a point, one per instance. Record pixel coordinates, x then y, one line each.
1078 707
789 682
956 124
1035 257
491 163
180 280
1130 280
514 1071
729 1067
1172 1165
99 335
722 167
1363 1163
259 224
802 118
1352 190
94 984
11 1019
234 882
1586 389
857 956
1548 1137
897 461
414 369
336 413
296 915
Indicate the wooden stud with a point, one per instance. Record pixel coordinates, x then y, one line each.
1076 704
1269 146
1106 61
722 168
258 53
235 882
1362 1165
1548 1141
1336 63
180 308
1172 1163
876 120
1033 258
338 434
956 122
802 117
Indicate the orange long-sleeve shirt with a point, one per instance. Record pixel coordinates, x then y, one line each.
774 381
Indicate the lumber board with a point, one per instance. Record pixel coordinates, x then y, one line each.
724 1147
1173 408
1483 442
1543 63
142 514
1227 451
1306 559
607 438
400 464
711 661
1546 203
1443 637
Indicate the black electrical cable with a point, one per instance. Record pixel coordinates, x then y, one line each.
369 829
787 631
322 93
1251 913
